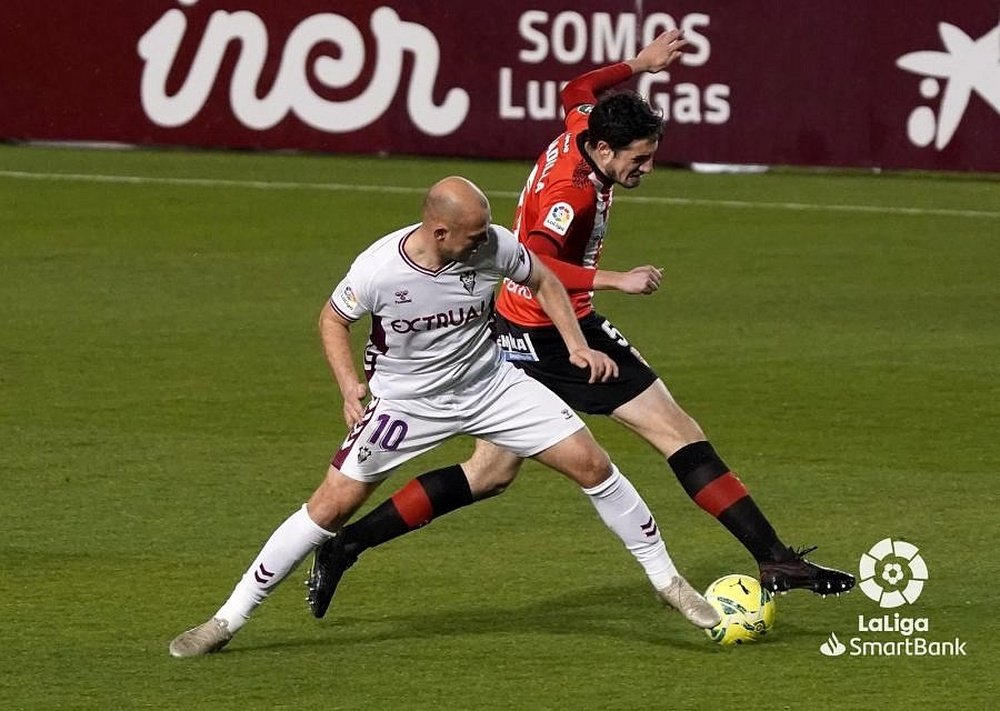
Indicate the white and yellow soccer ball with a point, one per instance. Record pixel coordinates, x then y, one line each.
747 610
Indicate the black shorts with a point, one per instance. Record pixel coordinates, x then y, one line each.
541 353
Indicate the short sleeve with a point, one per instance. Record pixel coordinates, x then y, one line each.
349 298
513 259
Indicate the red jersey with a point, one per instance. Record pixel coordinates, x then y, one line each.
564 207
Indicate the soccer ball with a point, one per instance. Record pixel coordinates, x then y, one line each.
747 610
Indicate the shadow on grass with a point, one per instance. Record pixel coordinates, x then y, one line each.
616 612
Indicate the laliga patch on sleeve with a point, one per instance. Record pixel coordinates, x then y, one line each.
348 298
559 218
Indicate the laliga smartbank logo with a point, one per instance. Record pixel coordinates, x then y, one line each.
892 574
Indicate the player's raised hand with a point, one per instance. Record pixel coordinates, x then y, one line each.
640 280
660 53
353 409
602 368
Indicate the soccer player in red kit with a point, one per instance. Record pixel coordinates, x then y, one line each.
610 140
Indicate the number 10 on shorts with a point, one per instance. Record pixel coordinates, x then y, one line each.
390 431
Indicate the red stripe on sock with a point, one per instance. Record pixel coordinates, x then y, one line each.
413 505
721 493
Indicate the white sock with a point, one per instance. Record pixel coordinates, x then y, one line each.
623 510
288 545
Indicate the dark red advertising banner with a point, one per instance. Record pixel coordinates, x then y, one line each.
890 83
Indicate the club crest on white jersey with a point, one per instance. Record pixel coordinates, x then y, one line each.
430 330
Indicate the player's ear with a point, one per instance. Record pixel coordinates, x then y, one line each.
440 233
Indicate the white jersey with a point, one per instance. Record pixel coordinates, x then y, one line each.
431 331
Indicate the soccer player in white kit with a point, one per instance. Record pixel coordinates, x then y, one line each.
435 371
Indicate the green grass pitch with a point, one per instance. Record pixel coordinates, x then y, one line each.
164 404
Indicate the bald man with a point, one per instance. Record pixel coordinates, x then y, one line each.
609 141
435 371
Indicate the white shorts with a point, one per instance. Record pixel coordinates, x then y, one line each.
509 409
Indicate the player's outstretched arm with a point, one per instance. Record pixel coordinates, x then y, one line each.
660 53
336 336
654 57
639 280
552 297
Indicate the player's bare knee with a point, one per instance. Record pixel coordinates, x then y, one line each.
579 458
597 472
667 430
686 427
490 480
489 492
336 499
592 466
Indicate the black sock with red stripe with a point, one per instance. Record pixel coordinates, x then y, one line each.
422 499
711 485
